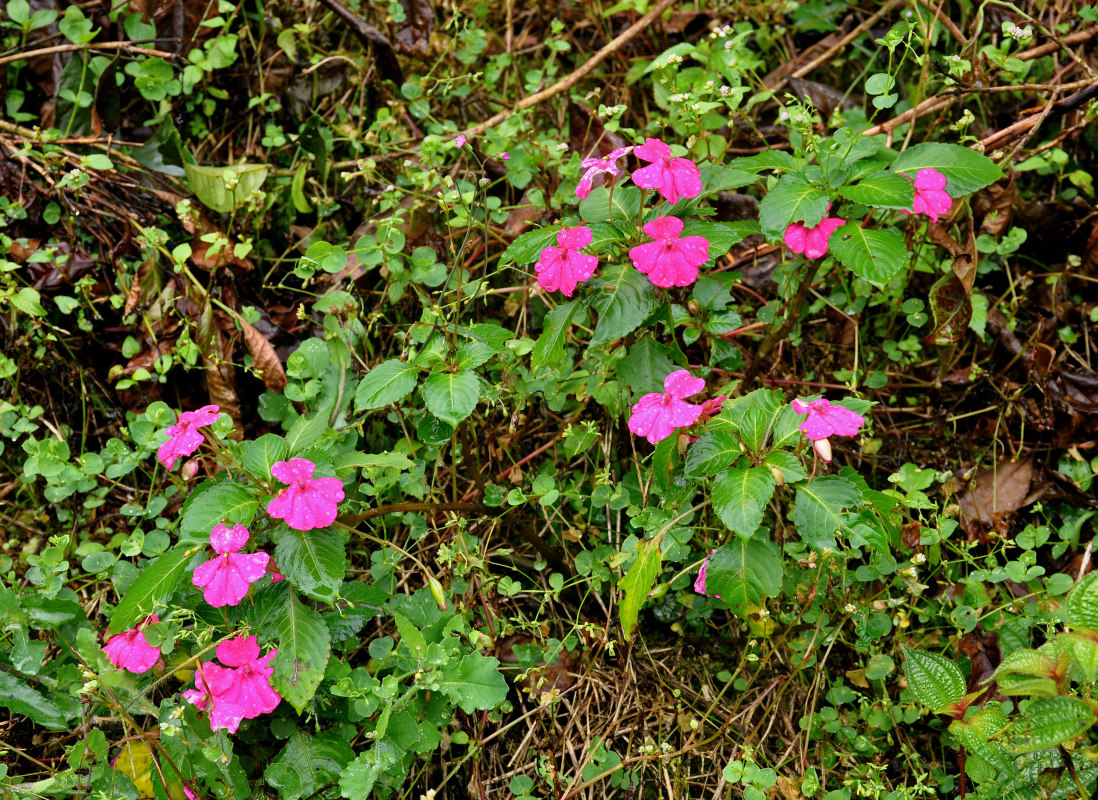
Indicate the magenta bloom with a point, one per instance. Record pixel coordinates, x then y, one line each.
670 260
131 651
811 241
184 437
710 408
504 156
225 579
655 416
673 177
460 140
307 502
565 266
699 582
232 695
826 419
600 166
931 197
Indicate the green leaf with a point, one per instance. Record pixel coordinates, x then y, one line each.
744 572
599 206
307 764
624 300
314 562
638 582
647 364
1051 721
768 159
475 684
720 235
603 238
935 681
724 179
227 501
527 247
712 453
357 460
1082 603
793 199
151 588
224 189
818 513
19 698
452 396
263 453
549 348
881 189
305 432
875 255
790 467
303 651
965 170
974 734
364 772
385 384
740 495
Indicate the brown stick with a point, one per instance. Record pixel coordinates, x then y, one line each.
567 83
66 48
1051 47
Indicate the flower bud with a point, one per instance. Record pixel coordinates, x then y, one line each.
779 477
189 470
823 449
437 592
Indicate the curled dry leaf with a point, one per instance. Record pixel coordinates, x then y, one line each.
264 359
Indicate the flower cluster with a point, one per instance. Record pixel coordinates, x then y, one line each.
239 690
668 260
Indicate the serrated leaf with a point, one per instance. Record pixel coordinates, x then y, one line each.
965 170
151 588
787 464
549 348
364 772
603 238
475 684
638 582
881 189
744 572
647 364
720 235
1082 603
818 513
19 698
724 179
624 299
451 396
314 562
768 159
527 247
307 764
874 255
304 646
263 453
357 460
227 501
305 432
740 496
935 681
1051 721
793 199
387 383
600 206
713 452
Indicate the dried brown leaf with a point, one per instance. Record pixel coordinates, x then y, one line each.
996 491
264 359
996 204
414 35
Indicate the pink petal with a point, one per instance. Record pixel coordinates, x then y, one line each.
681 413
686 177
226 579
239 651
800 406
796 236
930 178
844 422
228 540
652 150
550 268
574 238
645 256
664 227
653 177
681 383
583 188
295 469
816 426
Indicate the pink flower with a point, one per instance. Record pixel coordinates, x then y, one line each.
232 695
131 651
460 140
931 197
811 241
184 437
826 419
600 166
673 177
657 415
565 266
699 582
670 260
307 502
710 408
504 156
225 579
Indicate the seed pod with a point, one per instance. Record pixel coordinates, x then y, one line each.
437 592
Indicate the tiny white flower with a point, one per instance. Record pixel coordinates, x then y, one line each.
562 146
918 558
850 608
